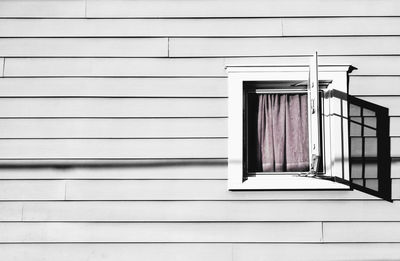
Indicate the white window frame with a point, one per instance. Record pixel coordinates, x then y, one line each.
335 151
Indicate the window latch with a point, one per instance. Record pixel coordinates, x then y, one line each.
312 106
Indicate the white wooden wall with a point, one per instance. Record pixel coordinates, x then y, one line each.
137 90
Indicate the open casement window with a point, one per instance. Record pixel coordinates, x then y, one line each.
286 130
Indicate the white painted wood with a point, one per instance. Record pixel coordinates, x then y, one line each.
395 147
314 127
366 65
182 211
121 252
215 27
194 190
135 169
160 232
294 182
216 47
31 190
42 8
361 232
211 67
139 27
113 148
114 87
175 190
340 26
374 85
113 67
390 102
315 252
84 47
11 211
113 107
252 8
116 128
201 251
395 168
335 150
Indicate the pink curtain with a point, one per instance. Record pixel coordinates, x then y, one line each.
282 133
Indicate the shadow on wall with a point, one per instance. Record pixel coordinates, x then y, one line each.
369 145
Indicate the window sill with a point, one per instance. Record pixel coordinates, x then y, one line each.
287 183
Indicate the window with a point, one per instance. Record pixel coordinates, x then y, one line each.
286 129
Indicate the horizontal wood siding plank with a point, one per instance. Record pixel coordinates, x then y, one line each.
113 67
113 87
116 128
164 87
160 232
366 65
394 126
395 168
320 252
139 27
361 232
113 148
114 190
46 8
311 26
185 67
28 190
201 251
194 190
183 211
211 27
84 47
395 147
113 107
121 252
252 8
135 107
134 169
11 211
216 47
372 85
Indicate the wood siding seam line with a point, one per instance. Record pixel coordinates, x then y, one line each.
168 38
4 66
322 232
65 189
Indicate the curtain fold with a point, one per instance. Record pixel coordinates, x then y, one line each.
282 133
